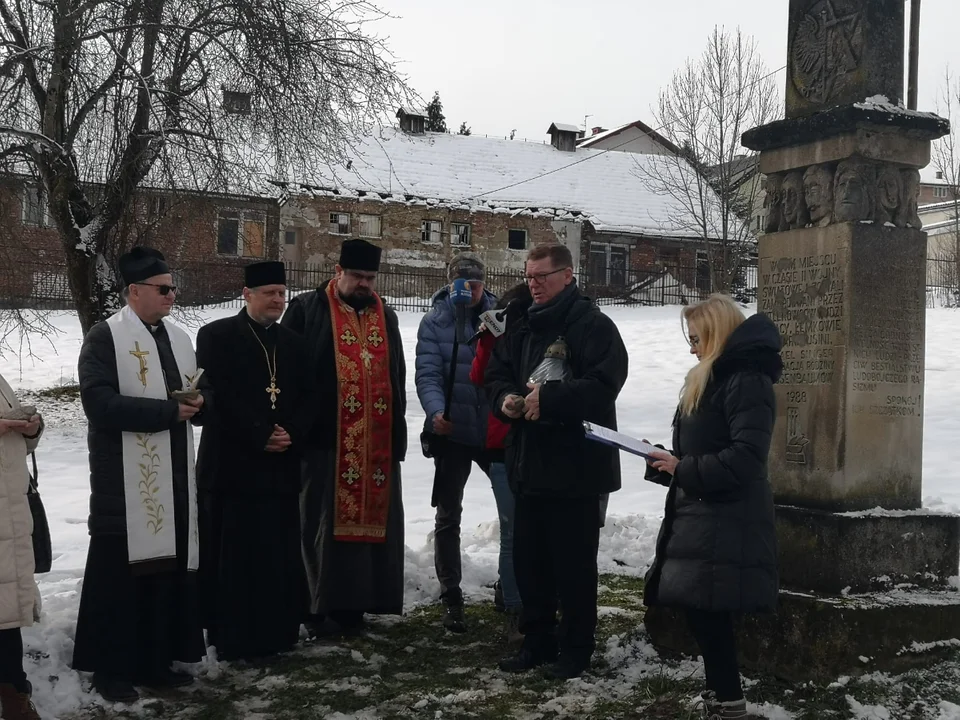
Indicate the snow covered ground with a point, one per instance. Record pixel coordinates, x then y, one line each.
659 359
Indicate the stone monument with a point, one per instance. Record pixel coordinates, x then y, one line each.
864 570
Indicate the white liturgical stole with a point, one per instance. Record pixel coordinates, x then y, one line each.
147 458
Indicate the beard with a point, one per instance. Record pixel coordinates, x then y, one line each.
358 301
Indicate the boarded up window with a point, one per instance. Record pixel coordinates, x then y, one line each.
228 233
370 226
253 233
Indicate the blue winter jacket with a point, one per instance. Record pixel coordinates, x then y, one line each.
469 409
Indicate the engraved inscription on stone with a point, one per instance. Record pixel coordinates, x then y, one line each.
887 352
827 47
804 297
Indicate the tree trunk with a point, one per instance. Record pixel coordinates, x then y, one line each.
81 271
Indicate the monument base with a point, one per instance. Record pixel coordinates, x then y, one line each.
867 551
821 638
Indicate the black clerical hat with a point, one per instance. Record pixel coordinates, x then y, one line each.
142 263
359 255
264 273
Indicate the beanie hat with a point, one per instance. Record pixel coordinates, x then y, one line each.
466 265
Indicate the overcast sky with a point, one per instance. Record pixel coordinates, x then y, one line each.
522 64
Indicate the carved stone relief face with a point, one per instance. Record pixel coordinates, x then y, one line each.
889 194
772 199
907 216
855 191
794 205
818 194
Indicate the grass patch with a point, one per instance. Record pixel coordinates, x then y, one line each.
412 668
60 392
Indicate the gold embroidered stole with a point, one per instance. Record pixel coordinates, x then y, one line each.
364 463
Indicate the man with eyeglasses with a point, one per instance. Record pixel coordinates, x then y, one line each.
139 388
557 474
351 504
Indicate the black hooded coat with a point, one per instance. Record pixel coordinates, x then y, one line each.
717 545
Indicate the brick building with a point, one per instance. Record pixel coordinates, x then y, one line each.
426 196
206 237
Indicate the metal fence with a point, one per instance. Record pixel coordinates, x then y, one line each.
943 282
43 285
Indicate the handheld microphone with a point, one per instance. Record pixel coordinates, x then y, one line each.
461 296
494 322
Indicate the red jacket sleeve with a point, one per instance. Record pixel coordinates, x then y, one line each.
484 350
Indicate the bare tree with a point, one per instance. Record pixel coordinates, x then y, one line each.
100 97
714 181
945 159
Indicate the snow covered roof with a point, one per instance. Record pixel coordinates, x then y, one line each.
639 125
478 173
928 176
411 112
563 127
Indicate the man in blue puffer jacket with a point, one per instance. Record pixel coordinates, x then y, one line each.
461 441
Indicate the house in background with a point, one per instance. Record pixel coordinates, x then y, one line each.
636 137
426 196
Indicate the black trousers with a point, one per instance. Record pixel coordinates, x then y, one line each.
714 633
452 469
11 660
555 542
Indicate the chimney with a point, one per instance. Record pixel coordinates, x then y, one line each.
412 121
597 130
564 137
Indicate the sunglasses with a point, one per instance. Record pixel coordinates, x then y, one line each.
162 289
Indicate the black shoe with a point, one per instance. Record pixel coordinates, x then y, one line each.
531 655
453 619
115 689
567 667
167 679
498 597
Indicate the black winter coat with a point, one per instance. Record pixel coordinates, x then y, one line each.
717 545
309 315
109 414
231 455
552 457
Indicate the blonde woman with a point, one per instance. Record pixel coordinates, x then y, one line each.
20 430
716 553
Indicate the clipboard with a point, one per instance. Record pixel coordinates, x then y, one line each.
604 435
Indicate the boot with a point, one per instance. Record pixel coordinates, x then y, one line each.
569 666
533 653
498 597
453 617
114 689
708 705
16 705
734 710
167 679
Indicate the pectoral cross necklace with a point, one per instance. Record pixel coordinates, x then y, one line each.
272 390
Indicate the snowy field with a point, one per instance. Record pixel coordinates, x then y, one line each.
658 361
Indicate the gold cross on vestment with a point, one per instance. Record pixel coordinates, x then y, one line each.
141 356
380 406
366 357
374 338
348 337
351 476
273 391
379 478
352 404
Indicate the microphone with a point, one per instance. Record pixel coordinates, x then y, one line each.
462 296
494 322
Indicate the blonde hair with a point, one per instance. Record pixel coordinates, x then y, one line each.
716 318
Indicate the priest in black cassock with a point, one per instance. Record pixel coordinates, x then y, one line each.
139 388
251 570
351 504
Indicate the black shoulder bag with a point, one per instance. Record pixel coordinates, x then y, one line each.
42 547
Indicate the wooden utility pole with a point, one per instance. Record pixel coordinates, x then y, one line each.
914 54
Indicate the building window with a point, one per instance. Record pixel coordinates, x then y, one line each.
370 226
608 265
241 233
517 240
237 102
156 207
704 282
339 223
430 232
940 192
290 237
34 205
460 235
